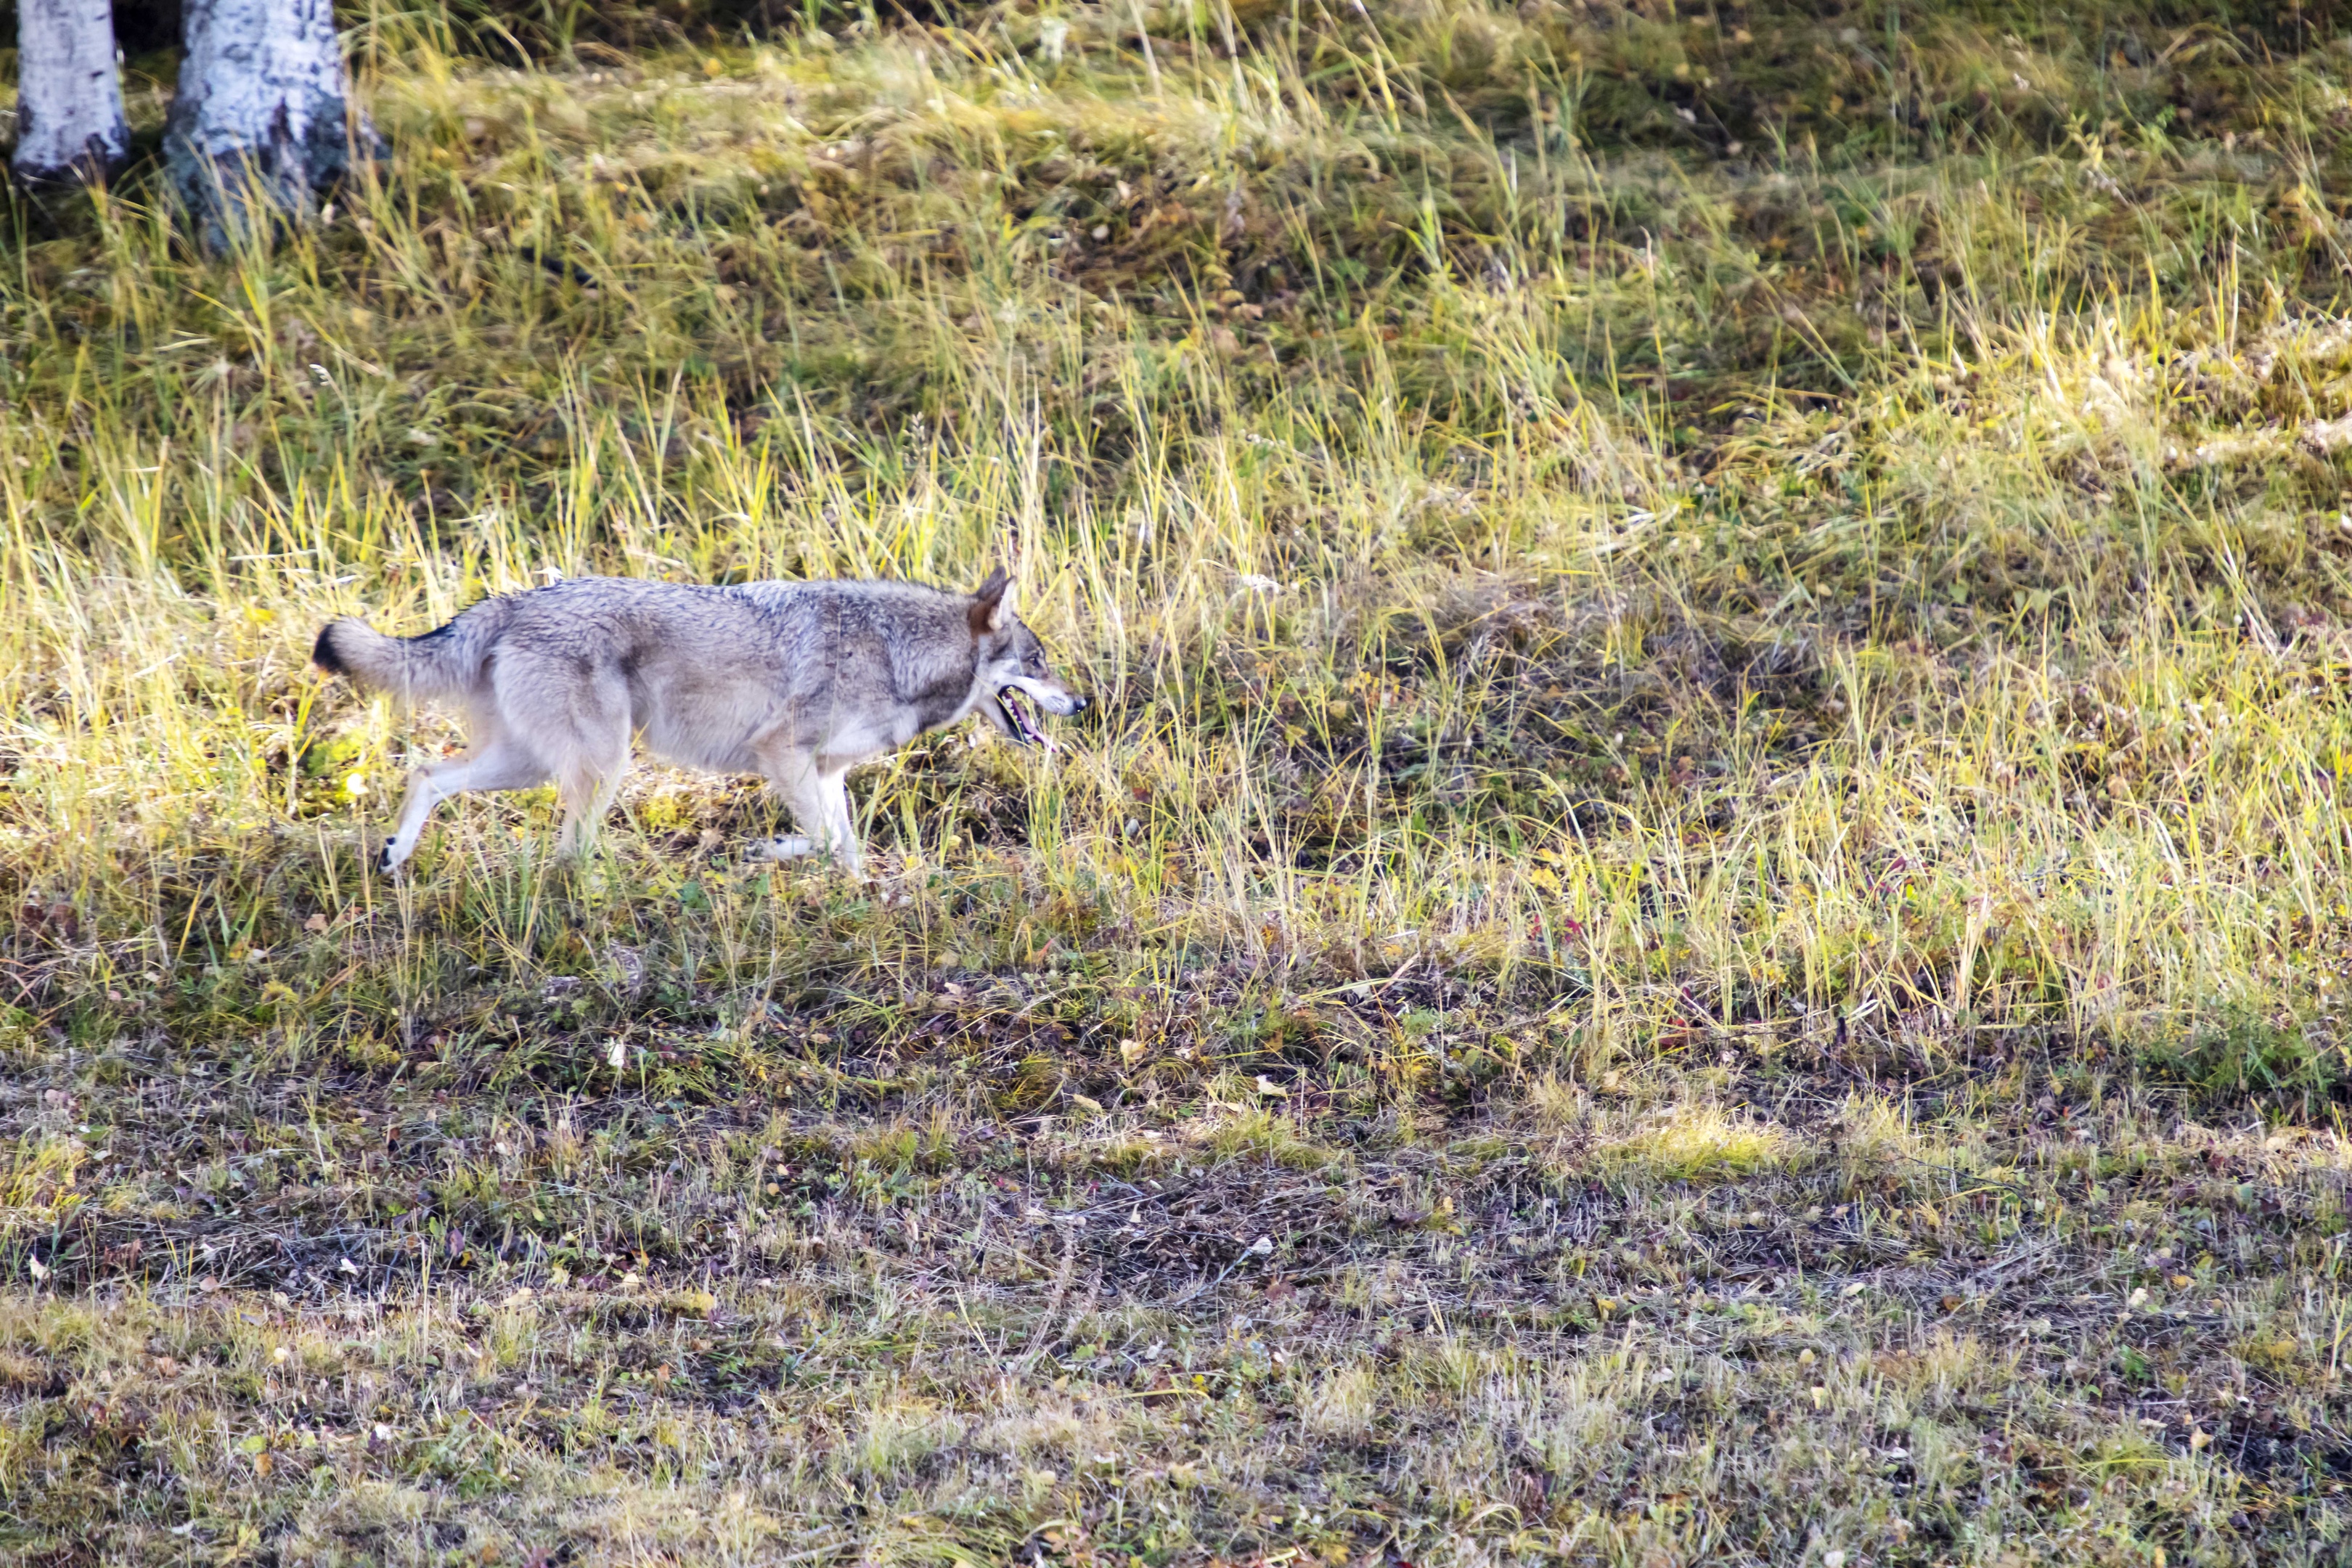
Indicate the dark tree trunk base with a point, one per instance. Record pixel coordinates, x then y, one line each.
261 128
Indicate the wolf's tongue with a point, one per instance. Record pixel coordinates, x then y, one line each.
1016 703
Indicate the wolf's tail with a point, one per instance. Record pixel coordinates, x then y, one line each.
443 662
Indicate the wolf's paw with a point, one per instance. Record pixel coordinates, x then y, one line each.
790 847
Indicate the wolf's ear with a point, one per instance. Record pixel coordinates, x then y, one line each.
992 603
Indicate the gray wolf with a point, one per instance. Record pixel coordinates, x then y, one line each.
798 682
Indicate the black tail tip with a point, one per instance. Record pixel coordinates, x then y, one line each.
323 654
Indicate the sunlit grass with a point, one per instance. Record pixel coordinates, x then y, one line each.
1698 1144
1932 705
1713 807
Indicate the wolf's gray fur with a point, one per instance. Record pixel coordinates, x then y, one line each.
798 682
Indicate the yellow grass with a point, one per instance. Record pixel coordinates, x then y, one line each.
1713 807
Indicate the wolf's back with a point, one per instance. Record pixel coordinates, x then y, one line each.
443 662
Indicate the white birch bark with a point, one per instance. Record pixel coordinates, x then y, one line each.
70 124
262 122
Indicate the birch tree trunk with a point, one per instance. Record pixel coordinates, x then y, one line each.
70 124
262 122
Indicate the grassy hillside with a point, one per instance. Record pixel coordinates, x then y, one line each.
1700 919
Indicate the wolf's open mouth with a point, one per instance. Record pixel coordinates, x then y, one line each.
1016 704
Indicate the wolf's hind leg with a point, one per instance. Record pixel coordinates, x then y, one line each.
582 730
840 832
585 789
502 763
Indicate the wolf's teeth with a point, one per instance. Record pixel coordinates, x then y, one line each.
1015 706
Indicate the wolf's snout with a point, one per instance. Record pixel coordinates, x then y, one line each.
1078 703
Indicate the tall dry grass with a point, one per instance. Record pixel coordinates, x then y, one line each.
1692 599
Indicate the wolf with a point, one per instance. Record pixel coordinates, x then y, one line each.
796 681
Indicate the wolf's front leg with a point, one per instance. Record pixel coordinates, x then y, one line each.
793 774
820 810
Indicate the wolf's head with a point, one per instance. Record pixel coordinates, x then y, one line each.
1012 667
